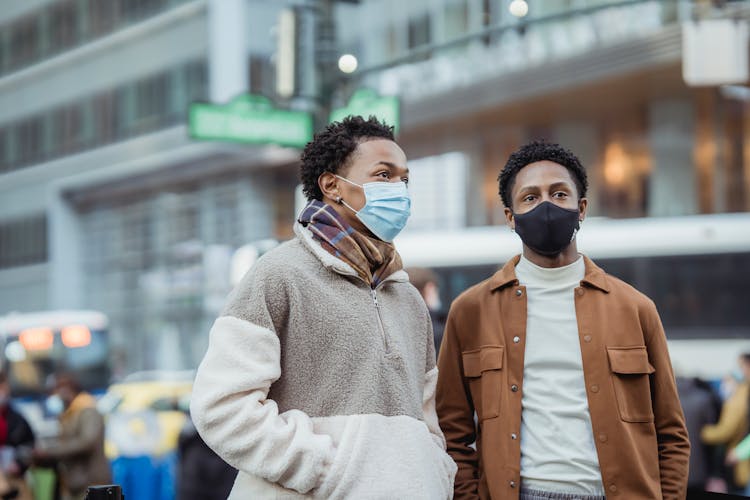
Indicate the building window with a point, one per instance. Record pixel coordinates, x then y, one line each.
262 75
105 118
68 129
29 140
138 9
456 19
63 26
196 78
24 42
103 16
152 101
23 241
419 31
4 150
134 108
625 171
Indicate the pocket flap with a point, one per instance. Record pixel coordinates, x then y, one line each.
482 359
629 360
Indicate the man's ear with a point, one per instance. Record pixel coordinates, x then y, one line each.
329 186
583 205
509 219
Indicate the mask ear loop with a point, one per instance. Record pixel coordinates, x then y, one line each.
340 200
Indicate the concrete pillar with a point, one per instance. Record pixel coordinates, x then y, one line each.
257 208
65 253
672 187
227 54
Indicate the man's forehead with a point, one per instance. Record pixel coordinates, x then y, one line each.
543 173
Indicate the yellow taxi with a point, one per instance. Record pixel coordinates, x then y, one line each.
145 412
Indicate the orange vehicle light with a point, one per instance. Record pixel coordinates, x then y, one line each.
76 336
36 339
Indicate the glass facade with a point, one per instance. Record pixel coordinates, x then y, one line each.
134 108
64 25
23 241
159 263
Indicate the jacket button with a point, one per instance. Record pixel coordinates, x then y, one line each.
513 484
603 438
516 339
587 338
612 488
594 388
514 388
519 292
579 291
513 435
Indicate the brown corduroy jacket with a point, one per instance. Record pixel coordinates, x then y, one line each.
636 418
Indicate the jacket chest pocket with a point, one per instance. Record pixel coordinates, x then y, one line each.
630 376
483 369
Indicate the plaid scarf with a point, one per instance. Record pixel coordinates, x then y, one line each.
372 258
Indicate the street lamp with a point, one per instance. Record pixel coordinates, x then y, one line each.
347 63
518 8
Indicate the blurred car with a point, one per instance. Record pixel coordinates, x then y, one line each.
145 412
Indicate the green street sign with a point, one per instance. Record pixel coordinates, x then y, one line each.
366 102
250 118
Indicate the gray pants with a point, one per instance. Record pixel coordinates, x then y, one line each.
528 494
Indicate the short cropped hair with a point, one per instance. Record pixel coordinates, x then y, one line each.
539 151
331 149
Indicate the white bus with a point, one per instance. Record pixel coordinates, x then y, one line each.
695 268
36 346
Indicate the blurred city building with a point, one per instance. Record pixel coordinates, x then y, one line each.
106 202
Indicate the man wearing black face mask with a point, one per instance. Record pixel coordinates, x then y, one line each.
565 366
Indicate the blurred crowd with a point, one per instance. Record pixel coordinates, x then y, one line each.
718 422
63 467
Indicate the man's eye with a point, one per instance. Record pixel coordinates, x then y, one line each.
405 180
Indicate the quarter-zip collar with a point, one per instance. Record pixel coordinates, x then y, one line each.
337 265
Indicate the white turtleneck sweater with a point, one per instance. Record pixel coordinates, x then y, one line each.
557 443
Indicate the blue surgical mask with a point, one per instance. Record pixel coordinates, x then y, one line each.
386 210
55 405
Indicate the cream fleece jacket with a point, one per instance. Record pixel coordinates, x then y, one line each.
314 385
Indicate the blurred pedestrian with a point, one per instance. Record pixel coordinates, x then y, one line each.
320 372
426 281
78 450
16 444
733 423
566 366
201 474
699 406
739 453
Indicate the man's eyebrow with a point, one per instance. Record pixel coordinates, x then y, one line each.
391 165
552 186
560 184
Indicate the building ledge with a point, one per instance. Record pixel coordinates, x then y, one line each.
105 44
660 49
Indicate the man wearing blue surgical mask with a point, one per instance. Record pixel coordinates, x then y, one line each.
320 375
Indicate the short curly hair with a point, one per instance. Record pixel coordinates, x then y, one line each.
331 149
539 151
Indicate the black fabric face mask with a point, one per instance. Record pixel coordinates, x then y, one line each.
547 229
